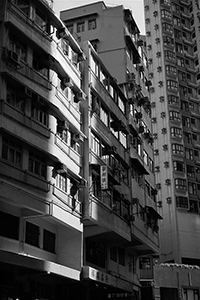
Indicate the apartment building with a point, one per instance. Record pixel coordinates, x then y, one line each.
173 49
41 176
121 217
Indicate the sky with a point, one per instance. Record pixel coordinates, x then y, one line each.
136 6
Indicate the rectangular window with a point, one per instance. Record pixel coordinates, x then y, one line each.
177 149
168 40
61 182
167 27
131 263
179 166
23 5
14 99
95 253
95 144
171 70
172 85
170 55
104 116
189 154
180 184
173 100
121 253
192 188
176 132
39 66
12 152
18 48
144 263
37 165
32 234
182 202
113 253
80 27
190 171
92 24
38 113
174 115
9 226
41 20
49 241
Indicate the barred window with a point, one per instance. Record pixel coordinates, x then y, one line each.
174 115
12 152
173 85
170 55
177 149
182 202
49 241
167 27
32 234
176 132
37 165
171 70
179 166
173 100
180 184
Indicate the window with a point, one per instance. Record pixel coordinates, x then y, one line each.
80 27
177 34
95 144
123 139
180 62
174 115
104 116
131 263
39 66
18 47
172 85
121 104
32 234
38 113
171 70
144 263
49 239
94 65
186 121
185 106
61 182
176 132
95 253
167 27
192 188
41 20
23 5
180 184
166 14
193 206
182 76
37 165
170 55
189 154
182 202
187 137
12 152
121 253
13 98
92 24
173 100
190 171
9 226
113 253
179 166
177 149
168 40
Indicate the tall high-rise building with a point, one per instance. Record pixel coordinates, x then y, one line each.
172 29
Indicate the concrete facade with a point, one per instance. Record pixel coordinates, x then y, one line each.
173 50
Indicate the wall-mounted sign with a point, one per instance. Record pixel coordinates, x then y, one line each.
104 177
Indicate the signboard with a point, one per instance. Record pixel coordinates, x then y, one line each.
104 177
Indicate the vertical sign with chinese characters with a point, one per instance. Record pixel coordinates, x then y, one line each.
104 177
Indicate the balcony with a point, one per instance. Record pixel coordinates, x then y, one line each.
138 162
28 130
110 225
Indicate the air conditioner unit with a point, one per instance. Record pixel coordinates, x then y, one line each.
76 137
81 96
13 56
40 101
82 184
61 168
67 81
64 124
28 92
